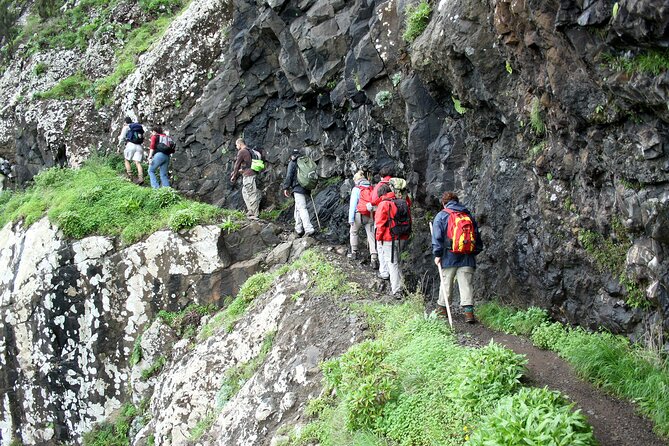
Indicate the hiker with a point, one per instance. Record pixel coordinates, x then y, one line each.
386 173
392 221
160 151
359 214
457 261
133 135
250 192
303 224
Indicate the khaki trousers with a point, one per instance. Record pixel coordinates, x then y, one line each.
251 195
464 275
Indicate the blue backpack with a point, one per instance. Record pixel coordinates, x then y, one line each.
135 133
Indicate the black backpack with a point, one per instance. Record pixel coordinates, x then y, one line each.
165 144
135 133
400 223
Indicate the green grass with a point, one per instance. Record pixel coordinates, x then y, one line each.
115 433
96 200
414 385
509 320
417 18
186 321
653 62
73 87
536 121
325 279
607 360
154 368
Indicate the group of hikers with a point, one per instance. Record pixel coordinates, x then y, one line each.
383 209
161 148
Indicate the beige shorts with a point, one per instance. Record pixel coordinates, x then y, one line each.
133 152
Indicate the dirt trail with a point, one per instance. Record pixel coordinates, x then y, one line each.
615 422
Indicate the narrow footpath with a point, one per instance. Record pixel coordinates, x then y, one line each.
614 421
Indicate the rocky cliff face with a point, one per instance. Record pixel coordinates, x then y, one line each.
72 312
547 117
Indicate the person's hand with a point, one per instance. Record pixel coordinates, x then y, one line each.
285 193
351 223
437 261
232 179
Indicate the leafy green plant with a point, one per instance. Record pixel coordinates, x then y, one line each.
488 374
136 355
509 320
271 215
331 84
154 368
185 322
536 121
417 18
534 413
549 336
396 79
458 106
383 98
229 225
616 10
508 67
183 219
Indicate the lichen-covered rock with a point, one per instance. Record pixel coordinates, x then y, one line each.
72 311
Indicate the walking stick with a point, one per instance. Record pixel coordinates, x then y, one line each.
441 285
315 212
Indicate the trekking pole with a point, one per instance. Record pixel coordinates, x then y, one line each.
441 285
315 212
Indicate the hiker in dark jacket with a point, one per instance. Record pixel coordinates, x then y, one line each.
303 224
460 266
250 192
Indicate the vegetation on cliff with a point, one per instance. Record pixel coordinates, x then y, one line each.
413 384
96 200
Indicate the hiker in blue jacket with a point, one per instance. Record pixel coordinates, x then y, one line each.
455 265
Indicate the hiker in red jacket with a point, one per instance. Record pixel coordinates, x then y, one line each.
392 221
386 173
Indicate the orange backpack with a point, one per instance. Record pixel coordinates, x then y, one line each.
460 229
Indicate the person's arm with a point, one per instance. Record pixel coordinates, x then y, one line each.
288 181
438 238
238 165
121 137
353 203
381 216
152 146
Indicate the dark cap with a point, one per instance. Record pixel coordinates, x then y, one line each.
296 152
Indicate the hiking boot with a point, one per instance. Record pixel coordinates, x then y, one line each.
442 312
469 317
353 255
399 295
128 176
309 233
139 181
383 277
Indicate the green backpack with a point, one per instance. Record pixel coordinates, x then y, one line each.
307 175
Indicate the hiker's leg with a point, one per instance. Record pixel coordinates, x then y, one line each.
384 258
250 194
302 213
164 170
127 157
465 277
137 158
394 266
369 230
445 291
155 163
353 232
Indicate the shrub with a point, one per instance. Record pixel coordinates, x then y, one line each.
383 98
538 414
164 197
487 374
417 18
113 434
549 336
183 219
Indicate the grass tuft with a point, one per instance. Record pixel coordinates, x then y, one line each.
417 18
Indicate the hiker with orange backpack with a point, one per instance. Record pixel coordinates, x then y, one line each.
359 214
392 221
455 243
